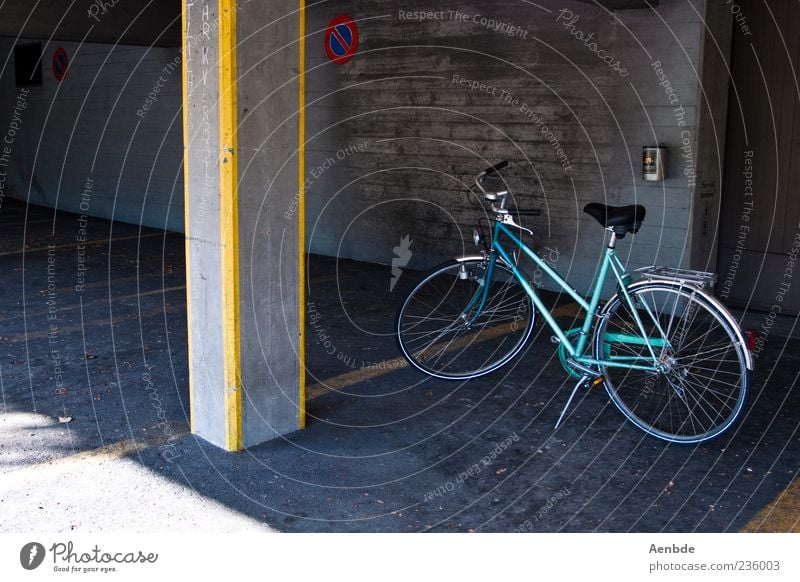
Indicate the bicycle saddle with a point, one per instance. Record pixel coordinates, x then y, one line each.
620 219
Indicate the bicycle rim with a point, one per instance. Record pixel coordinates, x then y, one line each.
442 332
703 387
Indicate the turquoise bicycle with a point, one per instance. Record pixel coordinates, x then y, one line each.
670 355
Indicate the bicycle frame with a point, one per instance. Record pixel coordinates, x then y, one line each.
577 351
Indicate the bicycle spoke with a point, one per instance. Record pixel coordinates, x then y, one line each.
705 352
715 380
702 337
693 366
698 398
446 326
701 392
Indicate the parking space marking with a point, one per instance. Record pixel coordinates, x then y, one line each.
31 314
98 322
117 281
781 515
104 453
400 363
87 243
354 377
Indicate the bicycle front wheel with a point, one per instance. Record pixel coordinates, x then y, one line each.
702 386
446 329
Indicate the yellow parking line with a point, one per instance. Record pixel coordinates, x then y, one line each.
360 375
399 363
105 453
355 377
29 313
112 451
781 515
111 282
44 333
148 293
87 243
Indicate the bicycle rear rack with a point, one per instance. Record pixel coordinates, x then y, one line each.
699 279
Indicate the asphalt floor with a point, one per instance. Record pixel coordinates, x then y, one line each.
94 432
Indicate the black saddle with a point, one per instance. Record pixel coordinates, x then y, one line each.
620 219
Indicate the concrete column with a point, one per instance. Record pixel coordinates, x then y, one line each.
244 217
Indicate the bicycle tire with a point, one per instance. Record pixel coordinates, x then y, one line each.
702 390
431 328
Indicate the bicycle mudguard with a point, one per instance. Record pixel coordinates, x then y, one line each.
469 258
466 258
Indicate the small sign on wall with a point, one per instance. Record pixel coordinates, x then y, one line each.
653 163
60 63
341 39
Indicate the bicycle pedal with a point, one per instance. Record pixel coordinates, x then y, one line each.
596 381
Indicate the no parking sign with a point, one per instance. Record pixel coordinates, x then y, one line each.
60 63
341 39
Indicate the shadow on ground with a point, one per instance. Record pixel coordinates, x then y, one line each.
395 451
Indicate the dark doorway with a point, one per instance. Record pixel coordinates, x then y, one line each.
760 226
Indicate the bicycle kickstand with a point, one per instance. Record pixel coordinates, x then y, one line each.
585 380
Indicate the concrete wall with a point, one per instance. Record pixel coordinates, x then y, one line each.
149 23
394 140
111 128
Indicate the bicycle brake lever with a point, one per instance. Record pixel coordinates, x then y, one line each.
509 220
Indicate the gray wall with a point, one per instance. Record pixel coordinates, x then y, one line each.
114 122
424 137
143 22
393 143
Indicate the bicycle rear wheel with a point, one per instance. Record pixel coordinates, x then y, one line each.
443 331
703 386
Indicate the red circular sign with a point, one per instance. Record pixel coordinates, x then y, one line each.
60 63
341 39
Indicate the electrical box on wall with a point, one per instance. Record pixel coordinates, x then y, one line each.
653 163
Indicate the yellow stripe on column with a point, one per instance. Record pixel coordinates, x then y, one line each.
229 225
185 104
301 213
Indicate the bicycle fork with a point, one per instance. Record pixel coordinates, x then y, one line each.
474 308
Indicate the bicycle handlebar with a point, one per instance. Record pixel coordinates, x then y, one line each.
497 167
488 172
502 194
